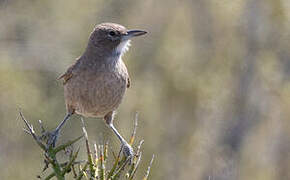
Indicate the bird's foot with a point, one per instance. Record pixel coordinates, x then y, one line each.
128 151
52 138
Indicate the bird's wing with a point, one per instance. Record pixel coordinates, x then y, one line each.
71 72
67 75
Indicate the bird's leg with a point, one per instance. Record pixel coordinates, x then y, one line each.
127 149
54 134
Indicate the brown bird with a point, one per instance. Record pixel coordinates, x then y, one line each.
95 84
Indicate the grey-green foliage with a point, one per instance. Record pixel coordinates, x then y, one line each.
94 166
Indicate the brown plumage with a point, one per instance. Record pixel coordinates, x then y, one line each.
95 84
97 89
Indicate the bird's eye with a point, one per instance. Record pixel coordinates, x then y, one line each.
112 33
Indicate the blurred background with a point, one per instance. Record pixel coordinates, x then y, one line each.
211 83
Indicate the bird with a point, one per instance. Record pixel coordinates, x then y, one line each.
95 84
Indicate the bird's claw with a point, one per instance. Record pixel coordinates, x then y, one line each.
52 138
128 151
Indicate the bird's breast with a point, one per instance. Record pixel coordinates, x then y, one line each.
95 93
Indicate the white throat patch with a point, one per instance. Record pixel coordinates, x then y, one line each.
123 47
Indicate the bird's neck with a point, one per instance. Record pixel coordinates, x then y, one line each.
122 48
96 57
102 55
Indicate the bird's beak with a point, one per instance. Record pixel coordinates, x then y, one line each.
133 33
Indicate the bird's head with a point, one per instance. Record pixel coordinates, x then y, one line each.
112 38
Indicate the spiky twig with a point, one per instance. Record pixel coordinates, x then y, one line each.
95 165
149 167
